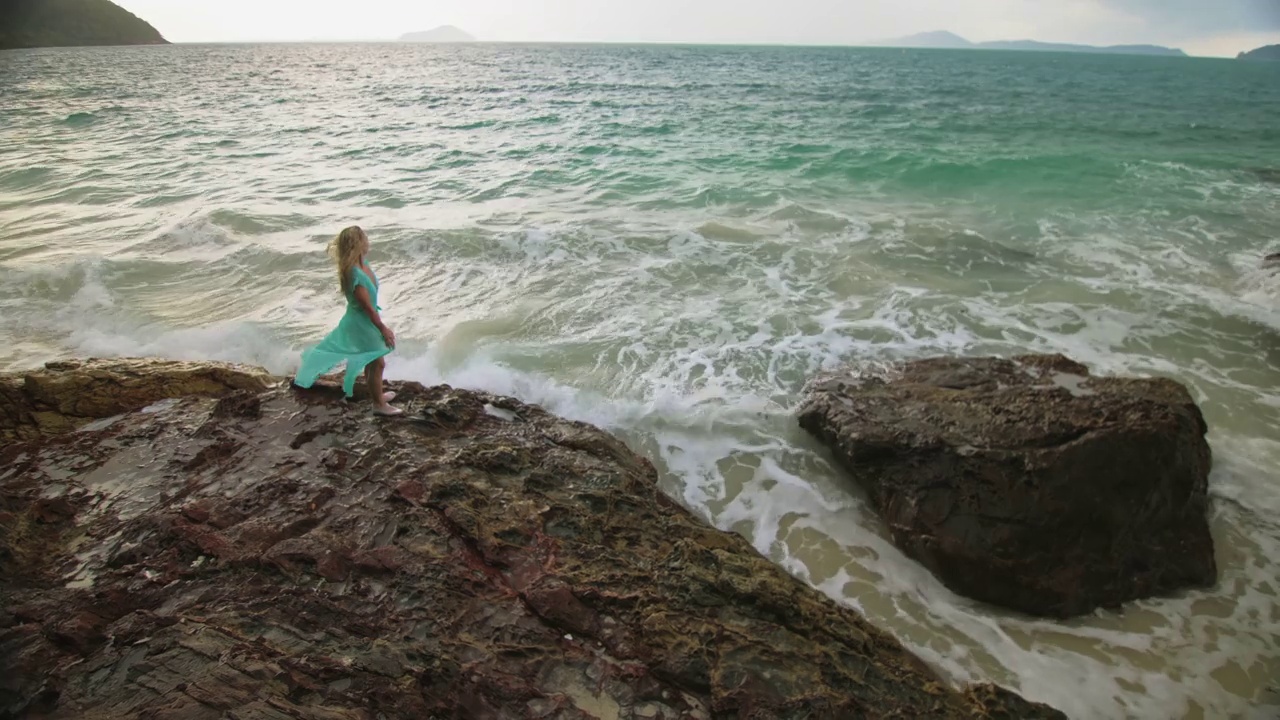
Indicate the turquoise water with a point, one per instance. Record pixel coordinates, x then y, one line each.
667 241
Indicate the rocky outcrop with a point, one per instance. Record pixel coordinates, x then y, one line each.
282 553
1026 483
65 395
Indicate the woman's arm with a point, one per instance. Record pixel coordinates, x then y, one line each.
366 304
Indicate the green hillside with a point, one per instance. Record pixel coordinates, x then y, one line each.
59 23
1270 52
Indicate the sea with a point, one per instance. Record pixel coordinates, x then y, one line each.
668 241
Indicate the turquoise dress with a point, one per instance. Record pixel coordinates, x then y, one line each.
356 341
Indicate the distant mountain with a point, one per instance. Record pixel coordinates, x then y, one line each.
1033 45
442 34
1270 52
65 23
937 39
942 39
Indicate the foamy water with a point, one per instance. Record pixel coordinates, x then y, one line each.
667 242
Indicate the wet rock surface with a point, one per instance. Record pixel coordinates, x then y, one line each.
65 395
282 553
1026 482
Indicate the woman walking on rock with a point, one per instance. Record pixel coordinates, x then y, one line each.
361 339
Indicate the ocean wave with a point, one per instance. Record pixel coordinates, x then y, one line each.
669 242
80 119
28 178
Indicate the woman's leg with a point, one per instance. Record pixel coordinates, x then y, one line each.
379 398
373 380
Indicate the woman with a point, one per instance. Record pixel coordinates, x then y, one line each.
361 339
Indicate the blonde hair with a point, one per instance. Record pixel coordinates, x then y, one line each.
346 250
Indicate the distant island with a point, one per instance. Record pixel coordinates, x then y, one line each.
1270 52
442 34
70 23
947 40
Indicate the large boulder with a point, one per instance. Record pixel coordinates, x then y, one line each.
282 553
1025 482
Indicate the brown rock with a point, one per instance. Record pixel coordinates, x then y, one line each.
1027 483
65 395
455 563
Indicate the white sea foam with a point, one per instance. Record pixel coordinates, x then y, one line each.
694 345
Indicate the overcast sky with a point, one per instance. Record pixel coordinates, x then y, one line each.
1201 27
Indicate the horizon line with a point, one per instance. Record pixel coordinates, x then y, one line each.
869 44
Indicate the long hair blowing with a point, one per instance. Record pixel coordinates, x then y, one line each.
345 251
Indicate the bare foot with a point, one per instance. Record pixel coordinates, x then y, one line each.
387 410
388 397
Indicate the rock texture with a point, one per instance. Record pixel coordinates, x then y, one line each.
282 553
65 395
1026 483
